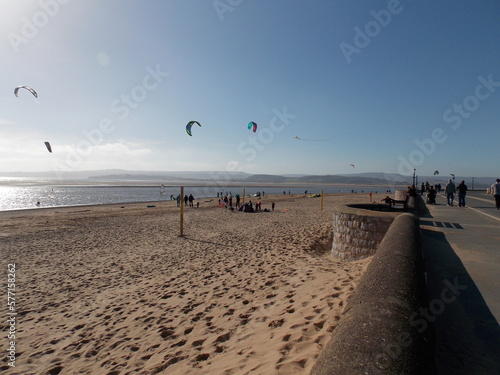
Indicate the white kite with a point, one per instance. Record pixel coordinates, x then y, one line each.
27 88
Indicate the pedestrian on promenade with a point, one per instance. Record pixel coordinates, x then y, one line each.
462 190
450 190
495 190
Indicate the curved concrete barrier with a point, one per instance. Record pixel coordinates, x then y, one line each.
378 333
358 229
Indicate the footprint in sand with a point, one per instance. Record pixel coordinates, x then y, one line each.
276 323
198 343
179 343
167 333
202 357
223 338
54 370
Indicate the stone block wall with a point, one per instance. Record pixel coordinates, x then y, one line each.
400 195
358 229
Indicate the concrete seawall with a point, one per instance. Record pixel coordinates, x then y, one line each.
378 333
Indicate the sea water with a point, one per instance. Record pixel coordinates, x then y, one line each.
33 194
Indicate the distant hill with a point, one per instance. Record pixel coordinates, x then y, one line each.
373 178
320 179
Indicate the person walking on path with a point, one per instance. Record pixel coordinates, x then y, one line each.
462 190
495 190
450 190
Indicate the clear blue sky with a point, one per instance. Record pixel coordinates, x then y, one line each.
393 85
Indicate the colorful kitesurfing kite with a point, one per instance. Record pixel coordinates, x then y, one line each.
27 88
49 147
190 125
311 140
436 172
252 126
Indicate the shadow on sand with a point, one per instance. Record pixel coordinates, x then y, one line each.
467 333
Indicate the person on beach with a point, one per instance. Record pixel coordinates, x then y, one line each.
387 200
237 201
273 205
450 190
178 200
186 199
462 190
191 199
495 190
412 192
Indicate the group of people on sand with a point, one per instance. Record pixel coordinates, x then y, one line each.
227 201
188 201
234 203
249 207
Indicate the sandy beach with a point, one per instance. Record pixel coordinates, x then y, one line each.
114 290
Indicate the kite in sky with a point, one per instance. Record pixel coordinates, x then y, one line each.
49 147
190 125
352 165
451 174
311 140
253 126
27 88
436 172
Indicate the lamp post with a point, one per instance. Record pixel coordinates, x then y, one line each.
472 188
414 170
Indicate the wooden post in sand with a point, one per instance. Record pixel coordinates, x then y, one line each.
182 212
321 201
243 198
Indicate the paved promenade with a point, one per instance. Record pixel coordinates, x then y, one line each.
461 248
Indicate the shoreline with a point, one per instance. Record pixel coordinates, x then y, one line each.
167 201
